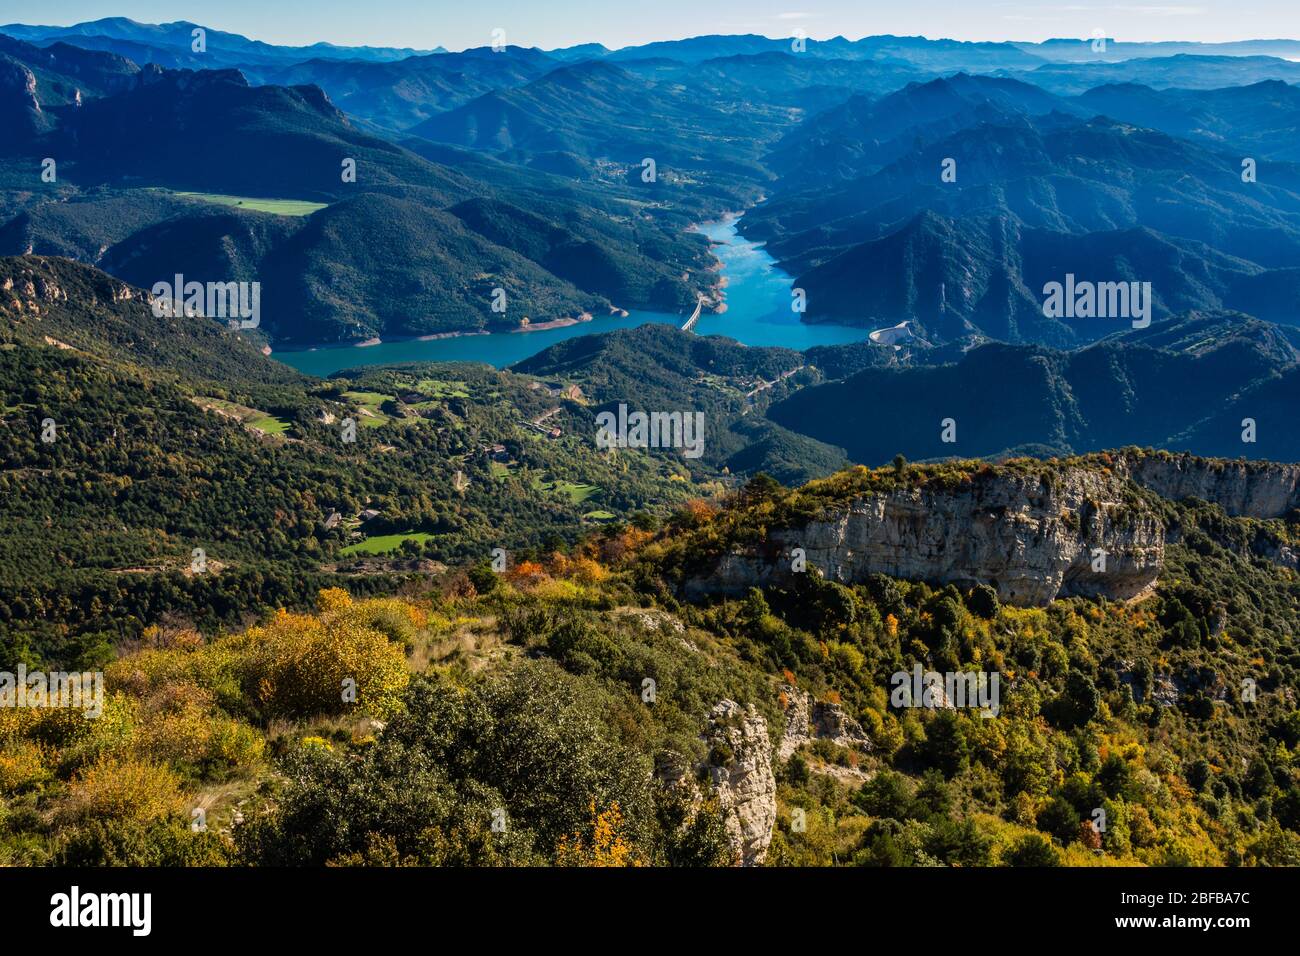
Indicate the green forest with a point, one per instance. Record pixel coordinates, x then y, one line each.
462 638
502 718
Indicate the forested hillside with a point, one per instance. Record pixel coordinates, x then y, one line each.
559 712
172 434
334 222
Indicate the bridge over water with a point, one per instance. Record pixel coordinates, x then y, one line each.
695 316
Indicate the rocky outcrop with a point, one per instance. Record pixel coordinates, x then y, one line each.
1164 692
20 109
1251 489
740 767
35 284
31 292
1033 538
807 720
1277 552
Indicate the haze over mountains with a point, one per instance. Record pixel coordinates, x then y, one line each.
1041 186
567 180
172 44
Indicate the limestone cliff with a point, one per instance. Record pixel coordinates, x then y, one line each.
1032 538
1252 489
20 109
740 768
807 720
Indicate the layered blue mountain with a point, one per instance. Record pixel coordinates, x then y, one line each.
952 204
395 252
173 44
527 170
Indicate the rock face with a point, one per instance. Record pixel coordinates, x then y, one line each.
807 720
1278 554
1252 489
740 767
31 284
20 110
1031 538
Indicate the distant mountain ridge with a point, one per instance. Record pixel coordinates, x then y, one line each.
177 39
697 48
567 178
149 133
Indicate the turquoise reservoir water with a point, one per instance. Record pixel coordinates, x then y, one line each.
758 313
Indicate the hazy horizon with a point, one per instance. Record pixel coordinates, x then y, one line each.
425 26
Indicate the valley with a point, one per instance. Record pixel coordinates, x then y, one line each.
639 450
755 292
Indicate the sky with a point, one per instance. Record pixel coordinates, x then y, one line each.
457 24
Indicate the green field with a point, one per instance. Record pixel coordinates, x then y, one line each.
438 388
269 424
574 491
370 401
279 207
263 422
384 543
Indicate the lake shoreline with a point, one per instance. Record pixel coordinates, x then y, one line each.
562 323
748 301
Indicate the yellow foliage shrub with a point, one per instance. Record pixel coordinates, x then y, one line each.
211 666
113 732
397 620
333 599
234 744
298 664
123 789
57 726
558 591
587 571
294 666
187 731
607 845
23 764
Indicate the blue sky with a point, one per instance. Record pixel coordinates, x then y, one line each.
457 24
